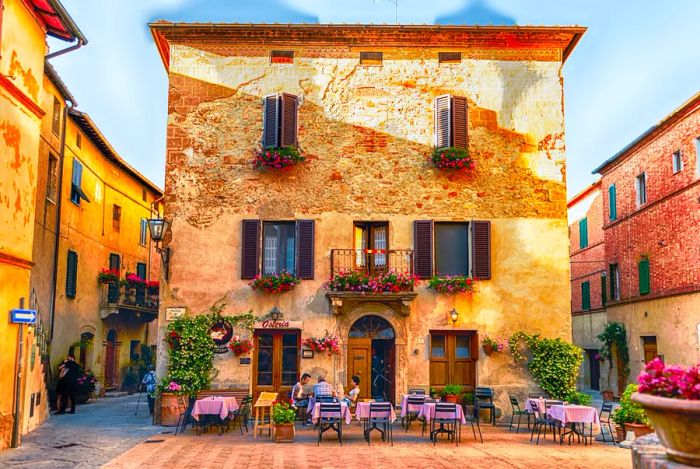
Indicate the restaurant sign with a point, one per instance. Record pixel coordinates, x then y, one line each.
221 333
270 324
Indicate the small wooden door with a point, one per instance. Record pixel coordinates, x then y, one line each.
359 364
276 361
453 356
110 358
650 350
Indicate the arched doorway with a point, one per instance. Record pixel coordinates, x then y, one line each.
372 357
110 358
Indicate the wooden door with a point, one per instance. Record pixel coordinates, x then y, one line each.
110 358
276 361
650 351
453 356
359 364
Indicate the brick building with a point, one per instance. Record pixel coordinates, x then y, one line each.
367 105
651 224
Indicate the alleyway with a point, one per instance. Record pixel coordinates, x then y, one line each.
99 431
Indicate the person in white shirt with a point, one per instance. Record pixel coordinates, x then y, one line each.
299 398
351 398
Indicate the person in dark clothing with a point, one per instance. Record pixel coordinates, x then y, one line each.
69 387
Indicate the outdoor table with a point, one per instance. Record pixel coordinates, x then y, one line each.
344 411
531 401
362 411
404 404
574 415
262 406
214 405
428 412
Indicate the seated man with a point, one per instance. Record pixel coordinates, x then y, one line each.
323 388
300 399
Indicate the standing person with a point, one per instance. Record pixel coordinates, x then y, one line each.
70 387
299 398
149 382
61 386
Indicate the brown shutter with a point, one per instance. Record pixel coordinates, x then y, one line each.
270 121
288 135
250 249
474 346
481 250
442 121
423 248
459 122
305 249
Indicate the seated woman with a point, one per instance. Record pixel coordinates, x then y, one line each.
354 393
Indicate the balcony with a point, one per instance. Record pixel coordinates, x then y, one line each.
137 303
361 275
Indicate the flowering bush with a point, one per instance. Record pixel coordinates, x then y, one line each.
498 345
283 411
86 383
393 282
153 285
329 344
173 340
629 411
134 280
171 386
240 346
275 283
452 158
108 276
670 381
451 284
277 158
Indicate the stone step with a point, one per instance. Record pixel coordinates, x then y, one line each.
116 394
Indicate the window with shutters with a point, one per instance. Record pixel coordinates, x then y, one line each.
76 182
116 217
272 247
644 277
278 247
114 262
371 58
282 56
583 233
450 117
452 249
78 140
614 282
677 161
449 57
56 117
603 290
141 270
52 179
143 232
280 116
641 186
697 156
612 202
71 274
586 296
453 356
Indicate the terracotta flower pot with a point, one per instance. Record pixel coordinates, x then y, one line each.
488 349
284 432
677 424
638 429
169 410
619 434
450 398
608 395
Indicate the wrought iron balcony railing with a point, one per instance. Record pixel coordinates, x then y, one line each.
121 296
372 261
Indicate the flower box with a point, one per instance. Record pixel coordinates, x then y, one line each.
329 344
452 158
451 284
275 283
108 276
277 158
392 282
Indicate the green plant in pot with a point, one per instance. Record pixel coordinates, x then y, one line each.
630 416
451 392
283 414
614 337
131 380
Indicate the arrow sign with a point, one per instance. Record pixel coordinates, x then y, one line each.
23 316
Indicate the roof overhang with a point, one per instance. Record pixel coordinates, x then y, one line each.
584 193
56 20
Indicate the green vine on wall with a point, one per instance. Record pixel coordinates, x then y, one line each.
615 334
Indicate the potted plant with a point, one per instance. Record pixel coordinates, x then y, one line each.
275 283
630 416
451 284
240 346
452 158
451 392
614 336
671 397
329 344
490 345
110 277
170 392
86 386
283 414
277 158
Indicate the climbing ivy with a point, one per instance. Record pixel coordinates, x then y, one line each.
615 334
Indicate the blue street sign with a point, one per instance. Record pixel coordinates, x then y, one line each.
23 316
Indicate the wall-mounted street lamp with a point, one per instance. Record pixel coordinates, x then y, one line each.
157 228
275 314
454 315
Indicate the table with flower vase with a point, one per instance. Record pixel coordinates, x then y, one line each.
344 412
575 417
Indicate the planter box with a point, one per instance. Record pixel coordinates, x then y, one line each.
450 398
284 433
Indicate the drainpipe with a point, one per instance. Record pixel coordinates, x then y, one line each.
63 15
66 50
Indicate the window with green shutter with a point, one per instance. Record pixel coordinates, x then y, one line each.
644 278
612 202
603 290
71 274
583 233
586 296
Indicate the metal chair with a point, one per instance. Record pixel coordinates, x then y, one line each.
542 422
416 391
325 398
243 414
446 416
379 415
605 412
517 411
330 418
186 416
485 398
473 418
414 404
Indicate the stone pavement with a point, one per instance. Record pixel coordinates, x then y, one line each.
500 449
100 431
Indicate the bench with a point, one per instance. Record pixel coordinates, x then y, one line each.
239 394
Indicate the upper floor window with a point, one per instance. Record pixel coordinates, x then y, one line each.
116 217
641 186
586 296
612 202
143 233
144 195
644 277
78 140
278 247
285 245
71 274
449 57
450 121
76 191
677 161
614 282
114 261
280 113
52 179
282 56
583 233
452 249
697 155
56 117
371 58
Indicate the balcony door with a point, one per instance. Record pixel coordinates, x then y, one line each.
276 361
371 244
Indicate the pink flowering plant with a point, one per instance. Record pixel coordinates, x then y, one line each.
670 381
170 386
452 158
498 344
329 344
277 158
275 283
133 280
451 283
391 282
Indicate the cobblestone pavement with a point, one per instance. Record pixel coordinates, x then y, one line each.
100 430
500 449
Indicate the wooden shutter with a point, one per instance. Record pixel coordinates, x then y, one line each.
305 249
585 296
612 196
603 291
288 131
270 121
71 274
250 249
423 248
644 280
141 270
443 121
459 122
583 233
481 250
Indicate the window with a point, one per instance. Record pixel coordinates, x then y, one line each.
285 246
644 277
144 195
143 234
450 117
141 270
56 117
372 236
114 262
371 58
280 120
641 185
452 357
116 217
612 202
603 290
134 349
76 191
278 247
71 274
78 140
52 179
697 156
649 346
449 57
677 162
282 56
583 233
451 248
586 296
614 282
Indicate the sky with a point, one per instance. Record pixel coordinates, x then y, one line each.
638 61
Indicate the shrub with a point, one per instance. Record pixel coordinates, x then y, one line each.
629 411
451 390
283 411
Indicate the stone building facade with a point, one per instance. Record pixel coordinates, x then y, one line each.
366 124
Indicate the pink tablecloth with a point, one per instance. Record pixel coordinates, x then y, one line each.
574 414
404 404
428 412
362 411
344 411
531 402
221 406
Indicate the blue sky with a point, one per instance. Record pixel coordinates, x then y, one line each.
638 61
